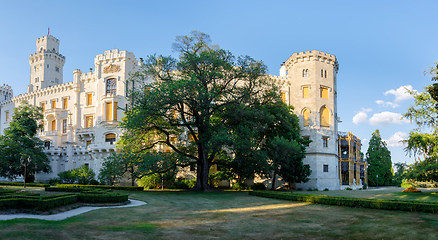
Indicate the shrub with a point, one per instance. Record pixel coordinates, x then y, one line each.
326 189
348 188
258 186
365 186
21 184
67 177
411 189
129 188
184 183
239 186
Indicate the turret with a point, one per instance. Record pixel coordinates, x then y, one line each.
6 93
312 75
46 64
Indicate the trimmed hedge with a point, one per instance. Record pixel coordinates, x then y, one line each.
130 188
47 202
21 184
402 205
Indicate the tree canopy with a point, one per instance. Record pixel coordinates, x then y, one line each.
208 107
20 146
420 144
379 160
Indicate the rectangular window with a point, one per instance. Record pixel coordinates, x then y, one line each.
111 111
57 69
64 126
53 125
88 142
324 92
47 65
322 73
7 115
305 92
43 106
89 99
64 103
37 79
283 96
325 142
53 104
325 168
325 74
88 121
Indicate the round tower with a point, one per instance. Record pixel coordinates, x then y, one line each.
312 77
46 64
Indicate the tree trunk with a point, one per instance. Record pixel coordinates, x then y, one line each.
203 169
273 181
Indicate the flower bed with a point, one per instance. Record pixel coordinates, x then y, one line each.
411 189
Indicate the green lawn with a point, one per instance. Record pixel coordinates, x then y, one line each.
227 215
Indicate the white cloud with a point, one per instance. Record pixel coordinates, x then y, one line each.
395 140
387 118
401 94
387 104
361 116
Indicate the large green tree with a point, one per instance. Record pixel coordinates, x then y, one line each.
181 111
20 148
423 145
379 160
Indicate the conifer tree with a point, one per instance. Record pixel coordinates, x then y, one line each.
379 160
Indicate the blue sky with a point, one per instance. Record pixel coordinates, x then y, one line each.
381 46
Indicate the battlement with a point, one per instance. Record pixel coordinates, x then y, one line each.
45 38
6 93
6 88
279 79
114 55
313 55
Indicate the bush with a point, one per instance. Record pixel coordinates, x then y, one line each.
239 186
402 205
365 186
258 186
184 184
411 189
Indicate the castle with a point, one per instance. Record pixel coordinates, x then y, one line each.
81 117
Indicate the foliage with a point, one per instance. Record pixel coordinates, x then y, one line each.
157 180
184 183
410 206
20 147
21 184
82 175
186 107
379 160
411 189
113 169
78 186
239 186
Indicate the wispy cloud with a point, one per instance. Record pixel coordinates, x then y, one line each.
396 139
387 104
401 94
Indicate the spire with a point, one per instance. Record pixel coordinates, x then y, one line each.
48 31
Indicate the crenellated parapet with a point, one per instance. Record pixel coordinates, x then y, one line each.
42 92
279 80
114 55
313 55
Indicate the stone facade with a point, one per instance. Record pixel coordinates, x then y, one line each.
81 117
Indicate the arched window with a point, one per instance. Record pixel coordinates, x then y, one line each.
110 137
306 115
324 114
305 72
111 86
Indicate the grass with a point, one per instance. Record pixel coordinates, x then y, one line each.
227 215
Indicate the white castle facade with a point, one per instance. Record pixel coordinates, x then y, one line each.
81 117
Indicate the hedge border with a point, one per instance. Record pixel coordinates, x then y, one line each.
130 188
383 204
22 184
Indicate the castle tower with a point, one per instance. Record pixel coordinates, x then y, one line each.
312 78
46 64
6 93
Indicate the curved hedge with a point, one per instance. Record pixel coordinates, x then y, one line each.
402 205
21 184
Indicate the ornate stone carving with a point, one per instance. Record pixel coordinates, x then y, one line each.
111 68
